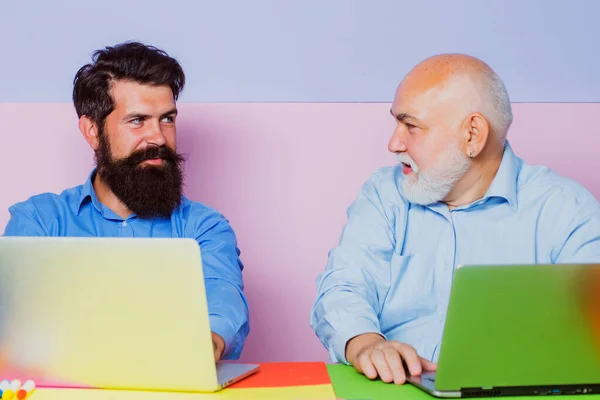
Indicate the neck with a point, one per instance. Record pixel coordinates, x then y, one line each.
476 182
109 199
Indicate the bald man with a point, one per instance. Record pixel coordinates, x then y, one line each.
459 195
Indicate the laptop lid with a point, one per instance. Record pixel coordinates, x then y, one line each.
122 313
521 325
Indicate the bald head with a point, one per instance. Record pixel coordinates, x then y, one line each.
467 84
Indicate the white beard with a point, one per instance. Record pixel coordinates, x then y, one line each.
435 183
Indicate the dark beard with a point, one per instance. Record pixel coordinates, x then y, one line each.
149 191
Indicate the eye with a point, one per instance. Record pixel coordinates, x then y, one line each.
410 127
137 121
168 119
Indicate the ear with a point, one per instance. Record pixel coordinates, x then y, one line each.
89 130
477 130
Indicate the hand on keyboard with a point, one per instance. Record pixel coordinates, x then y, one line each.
373 356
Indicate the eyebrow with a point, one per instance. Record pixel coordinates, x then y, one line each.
136 115
402 117
169 113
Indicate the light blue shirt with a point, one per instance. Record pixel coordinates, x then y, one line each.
78 212
392 269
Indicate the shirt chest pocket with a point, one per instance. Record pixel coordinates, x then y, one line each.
411 289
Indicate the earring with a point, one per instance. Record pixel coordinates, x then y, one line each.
471 154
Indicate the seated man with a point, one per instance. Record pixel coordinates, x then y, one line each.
458 196
125 101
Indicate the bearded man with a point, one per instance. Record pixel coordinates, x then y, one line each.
126 103
459 195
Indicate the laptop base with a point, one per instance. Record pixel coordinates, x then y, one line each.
426 382
230 373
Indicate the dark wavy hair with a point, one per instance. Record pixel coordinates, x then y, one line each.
129 61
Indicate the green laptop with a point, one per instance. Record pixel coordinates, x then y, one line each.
519 330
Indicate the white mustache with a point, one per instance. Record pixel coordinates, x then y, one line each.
406 159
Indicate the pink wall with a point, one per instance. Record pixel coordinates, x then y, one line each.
284 175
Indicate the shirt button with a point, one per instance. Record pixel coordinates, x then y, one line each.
124 223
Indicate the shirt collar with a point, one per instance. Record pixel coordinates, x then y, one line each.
504 184
88 192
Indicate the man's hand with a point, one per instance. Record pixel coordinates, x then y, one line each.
373 356
218 346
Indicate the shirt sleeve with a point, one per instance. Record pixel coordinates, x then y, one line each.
351 290
580 241
222 268
23 222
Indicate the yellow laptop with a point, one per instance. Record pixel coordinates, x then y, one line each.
114 313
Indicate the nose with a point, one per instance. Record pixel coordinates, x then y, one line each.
155 134
397 142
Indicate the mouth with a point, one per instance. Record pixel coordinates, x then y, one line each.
406 169
153 161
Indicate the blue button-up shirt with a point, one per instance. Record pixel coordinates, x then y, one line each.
392 269
78 212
